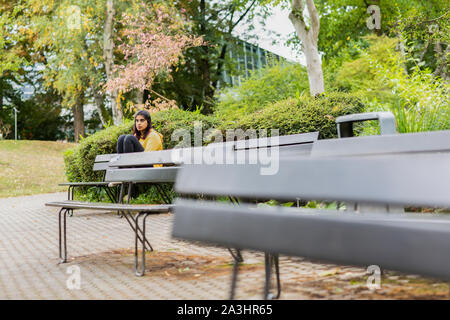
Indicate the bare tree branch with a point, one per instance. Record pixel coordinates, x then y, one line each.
244 14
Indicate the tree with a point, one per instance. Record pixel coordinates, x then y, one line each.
78 46
153 41
108 56
66 36
419 25
13 53
309 35
194 83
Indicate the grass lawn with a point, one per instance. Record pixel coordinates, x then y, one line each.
31 167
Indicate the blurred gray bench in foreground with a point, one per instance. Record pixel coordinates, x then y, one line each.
400 170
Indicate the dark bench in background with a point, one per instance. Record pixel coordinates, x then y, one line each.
155 168
100 164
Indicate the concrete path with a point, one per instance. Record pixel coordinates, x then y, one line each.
101 263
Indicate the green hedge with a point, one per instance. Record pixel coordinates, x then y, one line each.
166 122
306 114
290 116
80 160
264 87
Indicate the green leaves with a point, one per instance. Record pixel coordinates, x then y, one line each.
265 86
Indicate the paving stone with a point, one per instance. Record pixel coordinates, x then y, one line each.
100 246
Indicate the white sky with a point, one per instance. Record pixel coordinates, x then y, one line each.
278 22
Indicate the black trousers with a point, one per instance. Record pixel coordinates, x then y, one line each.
128 143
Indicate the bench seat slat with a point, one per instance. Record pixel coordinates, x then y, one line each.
99 183
396 242
422 180
69 204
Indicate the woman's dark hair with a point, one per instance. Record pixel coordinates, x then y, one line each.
147 117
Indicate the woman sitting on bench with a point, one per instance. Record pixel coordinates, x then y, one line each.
144 137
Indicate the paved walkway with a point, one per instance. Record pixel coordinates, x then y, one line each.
100 251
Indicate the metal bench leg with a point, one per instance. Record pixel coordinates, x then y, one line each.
70 197
133 226
62 235
120 200
269 261
277 272
130 188
236 255
109 193
267 264
234 276
140 272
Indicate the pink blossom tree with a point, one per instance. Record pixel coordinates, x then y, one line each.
152 42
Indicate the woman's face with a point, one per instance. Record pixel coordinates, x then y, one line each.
141 123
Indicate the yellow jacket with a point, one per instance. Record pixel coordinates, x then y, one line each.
153 142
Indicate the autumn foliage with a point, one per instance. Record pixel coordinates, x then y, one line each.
152 42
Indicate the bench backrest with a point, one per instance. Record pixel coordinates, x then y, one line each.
138 166
102 161
424 142
290 143
386 121
295 143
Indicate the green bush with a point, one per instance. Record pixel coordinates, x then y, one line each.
307 114
264 87
290 116
80 160
166 122
418 99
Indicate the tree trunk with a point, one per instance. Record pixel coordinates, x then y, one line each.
78 119
207 91
309 37
108 56
442 65
98 98
314 68
139 97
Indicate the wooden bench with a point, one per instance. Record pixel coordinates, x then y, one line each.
402 242
162 166
121 169
133 168
155 168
